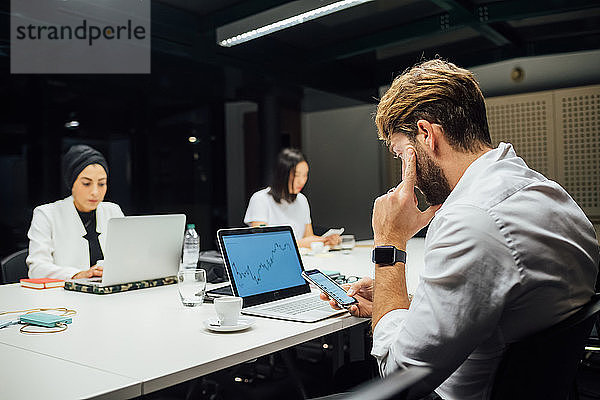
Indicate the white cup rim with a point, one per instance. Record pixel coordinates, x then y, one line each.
227 299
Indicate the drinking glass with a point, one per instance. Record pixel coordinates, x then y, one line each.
192 286
348 243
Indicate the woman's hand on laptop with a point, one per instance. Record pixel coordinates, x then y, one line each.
96 270
361 290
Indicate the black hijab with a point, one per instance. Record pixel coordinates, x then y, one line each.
77 158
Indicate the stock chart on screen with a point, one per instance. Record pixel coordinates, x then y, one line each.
263 262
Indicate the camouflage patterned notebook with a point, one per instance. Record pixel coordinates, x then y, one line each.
95 289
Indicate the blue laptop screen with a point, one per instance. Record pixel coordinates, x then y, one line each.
263 262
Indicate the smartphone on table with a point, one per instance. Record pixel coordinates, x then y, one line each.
331 288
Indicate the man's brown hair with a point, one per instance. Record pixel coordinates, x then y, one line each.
441 93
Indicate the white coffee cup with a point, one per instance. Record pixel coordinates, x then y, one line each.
317 247
228 310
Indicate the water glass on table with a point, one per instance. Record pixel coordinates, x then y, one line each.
192 286
348 243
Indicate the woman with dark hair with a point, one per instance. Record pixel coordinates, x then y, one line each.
283 204
66 237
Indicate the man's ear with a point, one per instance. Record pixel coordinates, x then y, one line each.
427 134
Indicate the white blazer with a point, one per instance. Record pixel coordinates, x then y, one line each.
57 248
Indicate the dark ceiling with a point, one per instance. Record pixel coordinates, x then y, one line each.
354 51
351 53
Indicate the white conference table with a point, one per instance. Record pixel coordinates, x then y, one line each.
358 261
127 344
29 375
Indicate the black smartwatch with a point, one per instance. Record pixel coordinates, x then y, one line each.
388 255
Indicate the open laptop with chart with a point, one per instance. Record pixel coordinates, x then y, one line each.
141 248
265 268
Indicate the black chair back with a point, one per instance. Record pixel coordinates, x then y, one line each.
396 386
14 267
544 365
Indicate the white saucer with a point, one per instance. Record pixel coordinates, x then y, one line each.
304 251
308 252
243 323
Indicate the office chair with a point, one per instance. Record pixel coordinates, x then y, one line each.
395 386
544 365
14 267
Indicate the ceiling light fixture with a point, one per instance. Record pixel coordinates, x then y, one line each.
72 124
289 22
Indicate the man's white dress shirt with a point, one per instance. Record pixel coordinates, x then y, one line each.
508 254
57 248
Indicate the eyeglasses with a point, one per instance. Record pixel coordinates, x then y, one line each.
397 157
342 279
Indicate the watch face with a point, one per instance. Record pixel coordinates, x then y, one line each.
384 255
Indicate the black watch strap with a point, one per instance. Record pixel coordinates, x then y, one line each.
388 255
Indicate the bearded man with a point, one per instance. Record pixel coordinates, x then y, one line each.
508 252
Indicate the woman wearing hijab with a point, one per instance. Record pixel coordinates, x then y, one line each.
283 204
66 237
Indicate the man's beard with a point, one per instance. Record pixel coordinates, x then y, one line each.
431 180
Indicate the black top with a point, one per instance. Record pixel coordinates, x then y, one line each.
89 222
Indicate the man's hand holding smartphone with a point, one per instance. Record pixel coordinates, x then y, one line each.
329 286
362 291
356 297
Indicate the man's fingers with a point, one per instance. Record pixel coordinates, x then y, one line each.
359 285
334 305
355 288
409 174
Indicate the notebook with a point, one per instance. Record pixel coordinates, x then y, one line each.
139 248
264 268
42 283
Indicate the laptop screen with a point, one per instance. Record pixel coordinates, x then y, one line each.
263 262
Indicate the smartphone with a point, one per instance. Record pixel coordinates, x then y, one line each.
327 285
333 232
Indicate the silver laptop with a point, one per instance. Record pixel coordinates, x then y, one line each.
141 248
265 268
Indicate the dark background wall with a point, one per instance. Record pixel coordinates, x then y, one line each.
142 124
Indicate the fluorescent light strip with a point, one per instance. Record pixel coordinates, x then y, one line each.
289 22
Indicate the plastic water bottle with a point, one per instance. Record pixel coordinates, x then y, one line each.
191 247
